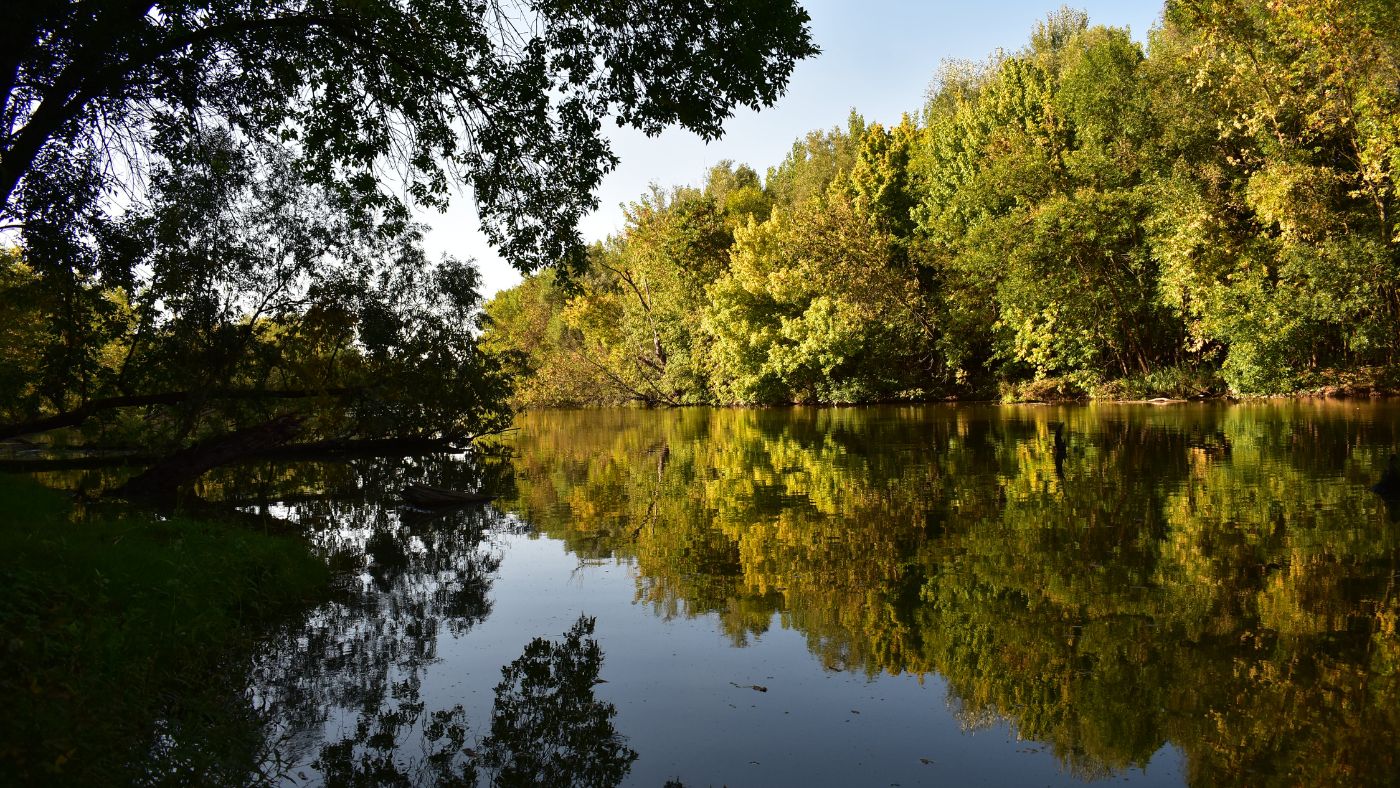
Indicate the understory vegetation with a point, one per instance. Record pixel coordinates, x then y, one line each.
1213 212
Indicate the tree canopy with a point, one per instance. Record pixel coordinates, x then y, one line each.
508 96
211 200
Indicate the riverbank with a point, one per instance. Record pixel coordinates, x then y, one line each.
1190 383
1175 383
121 637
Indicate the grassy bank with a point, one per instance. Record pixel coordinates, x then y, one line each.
114 626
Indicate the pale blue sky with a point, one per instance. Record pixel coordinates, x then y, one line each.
878 56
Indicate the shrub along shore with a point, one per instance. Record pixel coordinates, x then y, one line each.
124 635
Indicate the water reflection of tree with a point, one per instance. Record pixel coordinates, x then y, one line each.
354 669
342 692
547 728
1218 578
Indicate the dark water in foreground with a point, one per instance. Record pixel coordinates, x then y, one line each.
904 596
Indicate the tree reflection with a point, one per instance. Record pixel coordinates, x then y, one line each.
342 692
547 728
1110 579
351 674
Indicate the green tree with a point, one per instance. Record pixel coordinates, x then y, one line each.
1276 228
881 181
509 98
813 309
1038 186
552 363
815 162
243 304
1083 215
632 316
260 251
637 310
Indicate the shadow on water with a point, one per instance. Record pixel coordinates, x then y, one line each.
1388 488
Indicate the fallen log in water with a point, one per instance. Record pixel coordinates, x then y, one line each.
423 495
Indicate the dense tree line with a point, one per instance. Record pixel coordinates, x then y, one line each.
1211 212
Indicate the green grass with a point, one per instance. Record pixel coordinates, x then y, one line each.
112 625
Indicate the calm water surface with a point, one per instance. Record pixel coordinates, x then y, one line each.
1199 593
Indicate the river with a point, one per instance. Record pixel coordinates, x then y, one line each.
1198 593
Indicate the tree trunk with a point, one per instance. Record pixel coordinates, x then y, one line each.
81 414
165 478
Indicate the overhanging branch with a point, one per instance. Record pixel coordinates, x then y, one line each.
77 416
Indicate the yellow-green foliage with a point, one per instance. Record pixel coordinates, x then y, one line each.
811 310
1086 209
